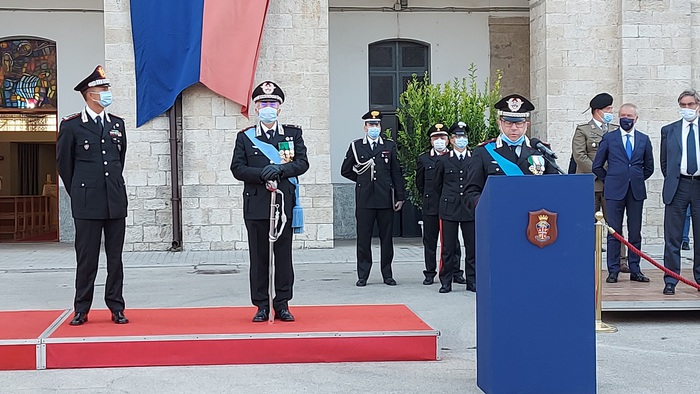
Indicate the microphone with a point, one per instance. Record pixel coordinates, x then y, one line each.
542 147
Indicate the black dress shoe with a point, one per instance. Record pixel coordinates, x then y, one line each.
261 316
445 289
119 318
459 279
361 282
669 289
390 281
638 277
685 246
79 318
471 287
284 315
428 280
612 277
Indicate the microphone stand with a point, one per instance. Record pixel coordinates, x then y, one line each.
552 161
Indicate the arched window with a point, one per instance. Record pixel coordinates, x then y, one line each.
28 73
391 65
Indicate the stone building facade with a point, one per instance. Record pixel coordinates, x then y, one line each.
640 51
294 53
559 52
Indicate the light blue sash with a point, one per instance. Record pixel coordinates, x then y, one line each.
274 155
509 168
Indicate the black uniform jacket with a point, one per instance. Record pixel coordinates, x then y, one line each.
425 181
483 165
373 191
91 163
451 181
248 162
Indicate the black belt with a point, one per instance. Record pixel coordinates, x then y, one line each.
692 177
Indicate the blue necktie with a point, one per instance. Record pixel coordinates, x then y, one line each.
692 156
628 147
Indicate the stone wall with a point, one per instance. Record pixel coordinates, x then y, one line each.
638 51
294 53
509 41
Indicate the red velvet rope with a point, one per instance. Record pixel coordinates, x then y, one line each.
657 265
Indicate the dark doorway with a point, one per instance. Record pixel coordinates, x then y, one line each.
392 65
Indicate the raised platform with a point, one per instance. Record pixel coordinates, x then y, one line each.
626 295
20 337
224 335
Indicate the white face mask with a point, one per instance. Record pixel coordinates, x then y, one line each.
688 114
439 144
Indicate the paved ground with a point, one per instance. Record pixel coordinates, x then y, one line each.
652 353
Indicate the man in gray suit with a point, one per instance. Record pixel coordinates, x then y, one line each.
679 165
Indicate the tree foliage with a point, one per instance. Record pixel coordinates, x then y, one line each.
423 104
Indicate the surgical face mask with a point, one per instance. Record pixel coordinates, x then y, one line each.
461 142
607 117
513 143
267 114
439 144
688 114
373 132
626 124
105 99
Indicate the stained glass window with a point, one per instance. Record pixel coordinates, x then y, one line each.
27 73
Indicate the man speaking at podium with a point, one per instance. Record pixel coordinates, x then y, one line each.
511 153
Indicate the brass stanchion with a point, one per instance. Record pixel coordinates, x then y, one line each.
599 231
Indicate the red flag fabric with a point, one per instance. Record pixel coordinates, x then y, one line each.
231 35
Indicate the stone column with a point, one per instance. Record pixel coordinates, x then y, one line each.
574 55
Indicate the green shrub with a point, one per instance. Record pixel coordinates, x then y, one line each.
424 104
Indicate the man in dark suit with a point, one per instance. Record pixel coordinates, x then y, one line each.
90 153
508 154
584 146
630 162
455 213
425 182
261 176
371 163
679 165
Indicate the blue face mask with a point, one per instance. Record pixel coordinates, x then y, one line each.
626 123
461 142
513 143
373 132
607 117
105 99
267 115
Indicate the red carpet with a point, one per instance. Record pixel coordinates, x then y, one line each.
19 337
226 335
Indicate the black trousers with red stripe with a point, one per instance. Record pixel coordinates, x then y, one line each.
88 239
431 231
450 261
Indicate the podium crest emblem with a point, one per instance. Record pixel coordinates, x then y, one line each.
542 228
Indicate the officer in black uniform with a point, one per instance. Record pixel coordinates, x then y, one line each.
371 163
90 153
512 145
451 181
255 169
425 182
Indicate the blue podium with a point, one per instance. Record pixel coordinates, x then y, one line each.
535 303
